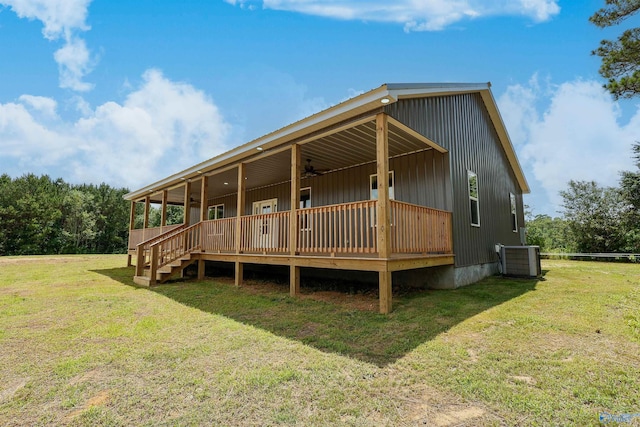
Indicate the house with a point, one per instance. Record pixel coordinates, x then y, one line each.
414 181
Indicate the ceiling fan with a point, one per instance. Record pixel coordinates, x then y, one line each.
310 171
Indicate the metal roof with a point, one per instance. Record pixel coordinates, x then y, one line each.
359 135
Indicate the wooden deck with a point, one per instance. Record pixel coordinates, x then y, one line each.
343 236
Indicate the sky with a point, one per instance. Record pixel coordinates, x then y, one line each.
128 92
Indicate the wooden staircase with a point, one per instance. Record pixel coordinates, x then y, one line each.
160 258
165 272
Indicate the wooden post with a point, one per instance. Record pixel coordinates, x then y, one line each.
383 210
239 267
153 265
240 207
384 283
139 260
204 191
294 281
187 203
295 198
239 273
201 268
382 205
163 212
147 207
132 224
132 215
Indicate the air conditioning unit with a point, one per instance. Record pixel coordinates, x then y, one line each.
520 261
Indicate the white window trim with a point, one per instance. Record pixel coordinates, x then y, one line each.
471 173
392 190
310 200
513 207
214 208
273 202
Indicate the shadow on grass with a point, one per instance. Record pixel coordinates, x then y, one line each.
417 317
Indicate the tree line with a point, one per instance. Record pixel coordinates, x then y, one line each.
595 219
39 215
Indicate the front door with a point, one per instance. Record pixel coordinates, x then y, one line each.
265 228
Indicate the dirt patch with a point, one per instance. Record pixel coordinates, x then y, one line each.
9 390
435 408
99 399
524 379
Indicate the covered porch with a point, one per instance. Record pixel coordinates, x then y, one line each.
313 201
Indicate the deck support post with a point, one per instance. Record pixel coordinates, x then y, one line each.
163 212
187 203
204 190
294 280
201 269
384 278
239 273
294 285
383 209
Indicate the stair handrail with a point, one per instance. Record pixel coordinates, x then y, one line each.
144 248
159 258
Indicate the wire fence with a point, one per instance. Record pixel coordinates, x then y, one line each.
613 257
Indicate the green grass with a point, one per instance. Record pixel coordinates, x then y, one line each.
80 345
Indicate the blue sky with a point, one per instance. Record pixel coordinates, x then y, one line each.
127 92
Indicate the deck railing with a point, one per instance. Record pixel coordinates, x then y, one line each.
343 228
348 228
265 232
219 235
418 229
140 235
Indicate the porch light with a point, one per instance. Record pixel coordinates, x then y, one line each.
226 183
385 100
259 148
200 172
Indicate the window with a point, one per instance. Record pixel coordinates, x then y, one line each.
305 197
216 212
514 210
473 198
373 179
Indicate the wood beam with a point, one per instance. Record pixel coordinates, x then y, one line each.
132 216
240 209
383 210
163 212
295 198
187 203
204 191
147 206
383 205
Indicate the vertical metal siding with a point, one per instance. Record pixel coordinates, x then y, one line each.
419 179
461 124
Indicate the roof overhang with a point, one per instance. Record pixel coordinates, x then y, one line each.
351 109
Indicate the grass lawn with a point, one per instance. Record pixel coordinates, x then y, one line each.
81 345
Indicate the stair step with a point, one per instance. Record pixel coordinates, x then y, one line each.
142 280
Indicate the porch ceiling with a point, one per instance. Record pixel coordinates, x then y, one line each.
349 146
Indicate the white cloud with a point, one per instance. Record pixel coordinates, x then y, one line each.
416 15
159 129
577 135
62 19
